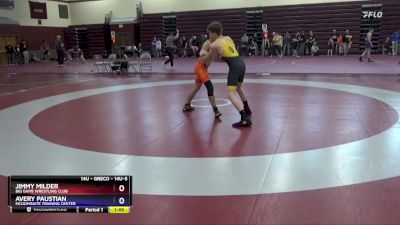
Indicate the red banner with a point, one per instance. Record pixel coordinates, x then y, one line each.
38 10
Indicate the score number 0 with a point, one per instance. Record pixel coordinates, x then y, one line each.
121 200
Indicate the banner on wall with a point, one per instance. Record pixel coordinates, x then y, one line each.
7 4
38 10
371 17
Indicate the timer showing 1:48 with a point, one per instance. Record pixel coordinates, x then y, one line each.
118 210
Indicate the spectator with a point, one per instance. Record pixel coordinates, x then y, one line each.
139 49
60 50
10 54
286 43
395 42
201 40
253 48
183 47
266 46
45 50
255 39
135 51
18 55
301 44
331 46
158 47
335 44
77 53
154 47
347 42
309 43
194 46
23 47
179 47
387 46
314 49
244 42
296 44
280 45
265 43
275 44
123 52
340 44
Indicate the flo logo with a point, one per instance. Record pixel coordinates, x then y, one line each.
372 14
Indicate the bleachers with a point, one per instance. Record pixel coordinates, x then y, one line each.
151 25
190 23
95 41
391 19
234 22
319 18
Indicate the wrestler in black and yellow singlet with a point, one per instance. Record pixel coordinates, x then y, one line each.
237 68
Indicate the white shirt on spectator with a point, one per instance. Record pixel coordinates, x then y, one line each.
158 44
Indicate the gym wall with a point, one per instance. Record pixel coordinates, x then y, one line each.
21 13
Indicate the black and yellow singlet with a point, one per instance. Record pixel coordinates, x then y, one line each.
230 55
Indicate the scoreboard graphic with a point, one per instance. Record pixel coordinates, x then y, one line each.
70 194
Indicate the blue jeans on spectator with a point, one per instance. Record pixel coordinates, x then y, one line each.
346 48
301 49
395 47
336 49
11 59
286 49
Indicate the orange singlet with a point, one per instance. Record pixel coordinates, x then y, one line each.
201 72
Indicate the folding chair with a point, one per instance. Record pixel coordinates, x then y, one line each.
99 64
133 64
145 62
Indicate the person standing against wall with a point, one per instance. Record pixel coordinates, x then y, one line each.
10 54
309 43
295 43
335 42
280 45
347 42
275 45
340 44
45 50
244 48
395 42
60 49
18 56
286 44
154 47
387 46
158 47
255 39
184 47
331 45
301 44
24 50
